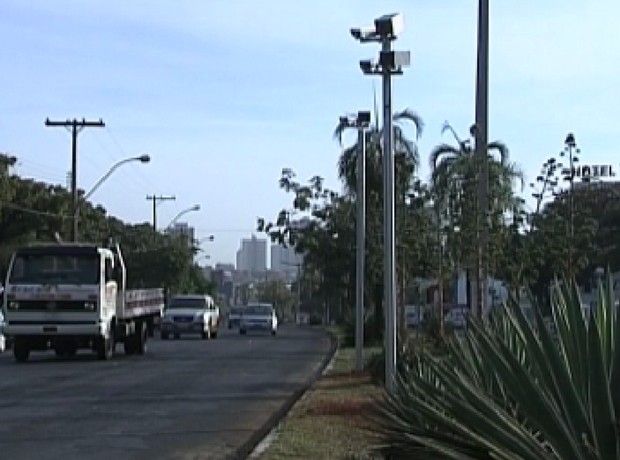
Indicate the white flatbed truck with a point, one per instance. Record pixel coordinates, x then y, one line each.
72 295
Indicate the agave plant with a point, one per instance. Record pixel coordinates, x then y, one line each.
514 388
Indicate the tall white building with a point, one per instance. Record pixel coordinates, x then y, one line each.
252 255
285 260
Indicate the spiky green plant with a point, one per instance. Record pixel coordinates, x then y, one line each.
514 388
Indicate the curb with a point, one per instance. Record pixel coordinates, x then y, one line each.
248 447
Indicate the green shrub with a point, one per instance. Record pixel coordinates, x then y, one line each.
510 390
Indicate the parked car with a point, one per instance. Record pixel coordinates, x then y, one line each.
414 315
190 314
234 317
259 317
457 318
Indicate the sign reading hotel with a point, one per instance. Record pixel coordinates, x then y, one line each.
593 171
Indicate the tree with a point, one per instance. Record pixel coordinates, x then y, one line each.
454 180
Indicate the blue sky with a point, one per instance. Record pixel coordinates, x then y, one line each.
224 94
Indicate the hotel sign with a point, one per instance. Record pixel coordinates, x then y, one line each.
592 171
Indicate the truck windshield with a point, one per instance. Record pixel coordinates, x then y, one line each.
55 269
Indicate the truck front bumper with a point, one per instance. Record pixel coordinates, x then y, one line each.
81 328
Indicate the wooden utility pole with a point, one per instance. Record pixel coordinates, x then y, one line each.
154 198
75 126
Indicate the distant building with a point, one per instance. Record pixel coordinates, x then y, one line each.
252 255
183 229
285 260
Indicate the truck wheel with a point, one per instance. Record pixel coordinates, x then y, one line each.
242 331
140 337
177 336
164 336
129 345
105 348
20 351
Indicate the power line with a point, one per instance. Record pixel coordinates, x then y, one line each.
15 207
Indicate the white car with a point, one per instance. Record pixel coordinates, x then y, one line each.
190 314
2 337
457 318
258 317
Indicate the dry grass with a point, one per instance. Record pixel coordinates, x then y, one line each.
330 421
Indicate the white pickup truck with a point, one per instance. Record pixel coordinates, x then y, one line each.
69 296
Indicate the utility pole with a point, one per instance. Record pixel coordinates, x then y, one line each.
482 106
154 198
75 126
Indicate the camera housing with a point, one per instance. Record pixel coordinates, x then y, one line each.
367 66
363 118
389 25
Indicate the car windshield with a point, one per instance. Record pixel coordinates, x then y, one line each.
55 269
196 303
258 310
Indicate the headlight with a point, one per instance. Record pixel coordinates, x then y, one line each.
89 306
13 305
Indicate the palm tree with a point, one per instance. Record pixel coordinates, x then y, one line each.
454 183
406 156
406 160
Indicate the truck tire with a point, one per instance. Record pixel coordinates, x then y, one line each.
129 345
104 348
164 336
20 351
141 336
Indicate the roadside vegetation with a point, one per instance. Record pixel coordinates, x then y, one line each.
331 419
513 388
537 376
32 211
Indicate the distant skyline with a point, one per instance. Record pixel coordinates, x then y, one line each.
223 95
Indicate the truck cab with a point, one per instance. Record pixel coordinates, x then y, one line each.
69 296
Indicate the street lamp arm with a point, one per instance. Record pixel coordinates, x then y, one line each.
142 158
185 211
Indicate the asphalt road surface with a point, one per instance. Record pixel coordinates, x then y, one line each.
185 399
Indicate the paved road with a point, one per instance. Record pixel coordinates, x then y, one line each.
185 399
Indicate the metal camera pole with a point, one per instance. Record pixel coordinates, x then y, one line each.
386 29
389 259
362 122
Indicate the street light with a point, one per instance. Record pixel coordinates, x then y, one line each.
361 122
386 29
142 159
196 207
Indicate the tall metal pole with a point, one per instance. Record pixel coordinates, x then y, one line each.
389 266
361 248
482 90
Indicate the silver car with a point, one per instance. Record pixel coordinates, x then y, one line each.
259 317
190 314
